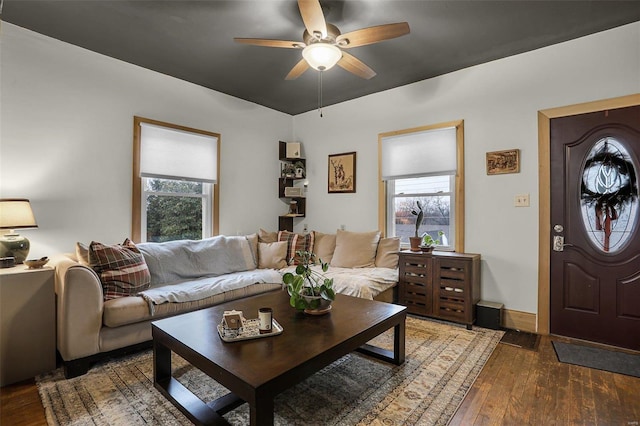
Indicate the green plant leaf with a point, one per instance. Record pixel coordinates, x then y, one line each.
328 294
300 304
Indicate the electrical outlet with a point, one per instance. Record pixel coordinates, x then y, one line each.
343 227
305 227
521 200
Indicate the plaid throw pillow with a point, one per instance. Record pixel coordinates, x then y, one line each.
122 269
296 242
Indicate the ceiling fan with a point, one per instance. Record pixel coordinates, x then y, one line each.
324 45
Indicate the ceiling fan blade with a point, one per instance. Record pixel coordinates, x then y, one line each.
356 66
297 70
313 17
371 35
271 43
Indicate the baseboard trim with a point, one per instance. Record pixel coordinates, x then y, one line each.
518 320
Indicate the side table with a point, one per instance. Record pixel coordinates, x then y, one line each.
27 323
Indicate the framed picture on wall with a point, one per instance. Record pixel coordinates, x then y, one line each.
500 162
342 173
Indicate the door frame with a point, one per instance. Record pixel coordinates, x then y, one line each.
544 192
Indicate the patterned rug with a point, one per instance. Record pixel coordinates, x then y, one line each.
442 362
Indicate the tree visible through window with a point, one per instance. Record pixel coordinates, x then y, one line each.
174 209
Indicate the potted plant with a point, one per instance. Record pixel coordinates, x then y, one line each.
415 240
288 170
428 242
299 167
310 291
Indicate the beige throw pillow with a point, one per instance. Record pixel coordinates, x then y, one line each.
272 255
253 242
324 245
355 249
82 254
267 237
387 255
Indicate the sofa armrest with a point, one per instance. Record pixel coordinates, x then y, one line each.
79 307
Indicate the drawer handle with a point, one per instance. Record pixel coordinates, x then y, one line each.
458 290
449 288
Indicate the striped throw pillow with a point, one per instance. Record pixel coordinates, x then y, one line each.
122 269
296 242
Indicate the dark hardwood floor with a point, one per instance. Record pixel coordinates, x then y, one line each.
516 387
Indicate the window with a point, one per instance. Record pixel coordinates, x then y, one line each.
425 165
175 182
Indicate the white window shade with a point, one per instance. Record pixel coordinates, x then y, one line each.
427 153
179 155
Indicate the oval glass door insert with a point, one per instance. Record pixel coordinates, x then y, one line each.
609 195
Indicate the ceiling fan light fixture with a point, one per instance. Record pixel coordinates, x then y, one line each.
321 56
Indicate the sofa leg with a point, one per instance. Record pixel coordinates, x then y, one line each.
76 367
80 366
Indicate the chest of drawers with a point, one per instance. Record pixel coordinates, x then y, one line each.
442 285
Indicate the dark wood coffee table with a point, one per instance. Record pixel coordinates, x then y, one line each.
255 371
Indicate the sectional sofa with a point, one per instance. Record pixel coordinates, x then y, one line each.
108 295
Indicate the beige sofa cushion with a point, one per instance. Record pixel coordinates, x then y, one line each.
82 254
387 254
267 237
324 245
129 310
355 249
253 242
272 255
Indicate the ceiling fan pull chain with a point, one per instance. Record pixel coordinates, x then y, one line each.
320 93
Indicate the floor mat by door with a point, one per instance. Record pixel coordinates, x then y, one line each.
601 359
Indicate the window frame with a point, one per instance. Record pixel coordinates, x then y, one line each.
458 191
211 219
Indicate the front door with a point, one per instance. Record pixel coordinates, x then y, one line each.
595 227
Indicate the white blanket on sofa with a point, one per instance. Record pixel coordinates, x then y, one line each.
175 261
366 283
203 287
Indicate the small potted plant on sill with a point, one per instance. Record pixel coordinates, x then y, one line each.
310 291
428 242
416 240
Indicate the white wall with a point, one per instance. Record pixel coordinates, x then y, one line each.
498 102
66 140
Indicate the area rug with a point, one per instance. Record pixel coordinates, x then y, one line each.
601 359
521 339
442 362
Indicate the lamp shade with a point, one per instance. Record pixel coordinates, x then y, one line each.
321 56
16 213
